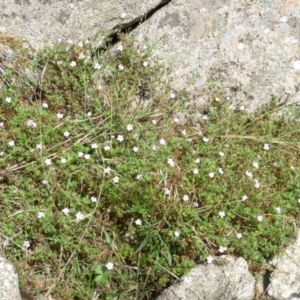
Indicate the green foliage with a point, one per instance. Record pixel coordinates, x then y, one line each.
100 171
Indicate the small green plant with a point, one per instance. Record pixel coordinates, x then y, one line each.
105 190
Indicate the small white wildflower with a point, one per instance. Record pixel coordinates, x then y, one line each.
176 120
80 154
135 149
2 153
221 153
205 139
242 108
106 148
145 63
278 210
80 44
183 132
79 216
292 168
221 171
94 146
45 182
73 64
186 198
171 162
154 122
195 204
154 148
257 184
109 266
197 160
1 124
209 259
116 179
65 211
39 146
211 174
162 142
195 171
81 56
8 99
66 133
135 136
26 244
120 138
138 222
222 214
89 114
239 235
222 249
177 233
97 66
259 218
241 46
11 143
100 87
129 127
244 198
168 192
121 67
107 170
266 147
87 156
48 161
59 116
45 105
63 160
40 215
249 174
255 165
93 199
120 47
31 123
172 95
139 177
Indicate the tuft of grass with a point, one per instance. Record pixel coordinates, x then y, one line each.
107 193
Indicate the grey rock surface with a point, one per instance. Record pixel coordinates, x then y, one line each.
249 48
285 279
226 278
8 281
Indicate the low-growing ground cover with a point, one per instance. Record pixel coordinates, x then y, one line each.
106 193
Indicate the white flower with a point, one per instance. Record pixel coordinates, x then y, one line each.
145 63
120 138
106 148
31 123
242 108
244 198
186 198
48 161
176 120
87 156
205 117
66 133
11 143
109 266
257 184
298 200
80 44
139 177
171 162
120 47
222 249
8 99
221 171
81 55
221 153
79 216
135 149
40 215
39 146
154 122
45 182
239 235
217 99
195 171
241 46
70 42
1 153
94 199
296 65
129 127
172 95
80 154
222 214
260 218
1 124
162 142
63 160
65 211
292 168
177 233
97 66
121 67
205 139
266 147
107 170
183 132
116 179
249 174
278 210
73 64
26 244
94 146
196 204
210 259
138 222
211 174
45 105
59 115
255 165
135 136
197 161
154 148
168 192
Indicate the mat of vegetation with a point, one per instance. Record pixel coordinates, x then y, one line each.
105 193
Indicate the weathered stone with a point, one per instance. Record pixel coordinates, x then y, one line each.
8 281
285 279
249 48
226 278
